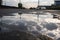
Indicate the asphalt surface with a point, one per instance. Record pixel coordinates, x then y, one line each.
7 12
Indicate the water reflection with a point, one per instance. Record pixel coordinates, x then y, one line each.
58 39
20 15
51 35
1 22
28 22
38 16
49 26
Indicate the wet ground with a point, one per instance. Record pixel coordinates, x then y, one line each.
36 22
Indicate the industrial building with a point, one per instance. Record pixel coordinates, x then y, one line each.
57 2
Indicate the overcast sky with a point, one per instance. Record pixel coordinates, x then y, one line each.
27 3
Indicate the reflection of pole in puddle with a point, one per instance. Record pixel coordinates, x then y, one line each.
1 22
37 17
20 15
1 19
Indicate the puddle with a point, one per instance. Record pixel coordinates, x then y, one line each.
36 22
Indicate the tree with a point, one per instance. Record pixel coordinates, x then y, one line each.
55 7
20 5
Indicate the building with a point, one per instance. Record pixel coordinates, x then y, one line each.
57 2
0 2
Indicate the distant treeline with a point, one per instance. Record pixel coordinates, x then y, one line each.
54 7
3 6
12 7
20 7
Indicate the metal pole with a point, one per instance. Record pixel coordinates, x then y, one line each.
0 2
5 3
38 2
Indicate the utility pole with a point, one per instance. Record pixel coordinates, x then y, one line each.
5 3
38 2
0 2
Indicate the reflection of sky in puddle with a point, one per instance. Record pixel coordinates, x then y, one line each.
29 22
